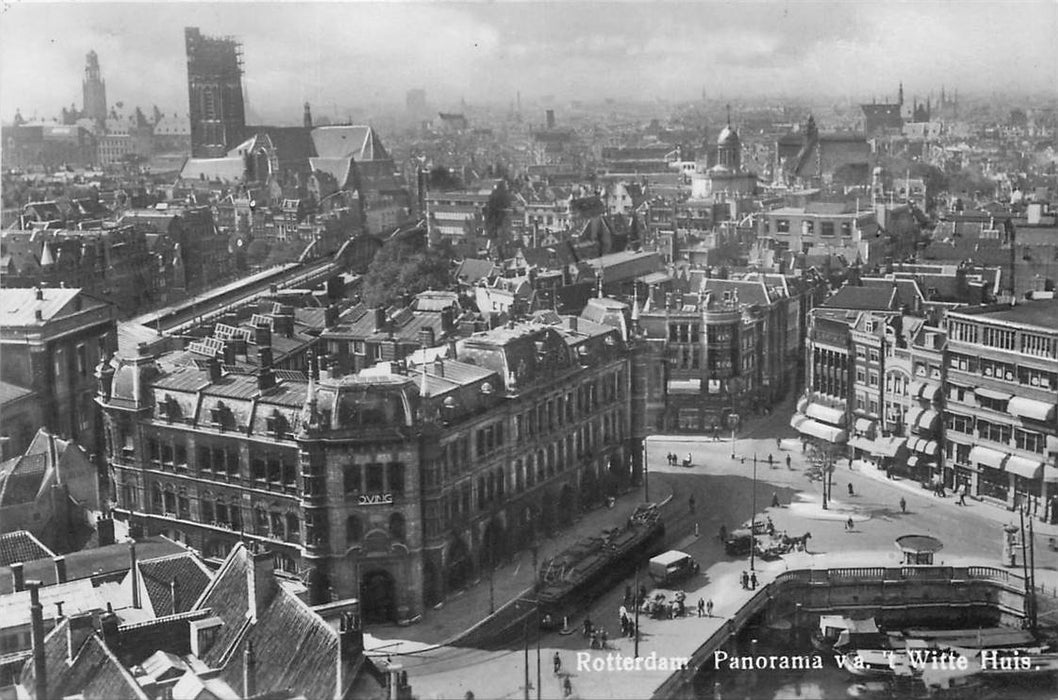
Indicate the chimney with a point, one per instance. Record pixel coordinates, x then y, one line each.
134 575
249 671
105 531
330 316
18 577
380 318
39 294
78 628
453 350
261 582
573 323
284 323
351 636
36 613
438 367
60 569
108 627
229 352
426 337
448 319
214 370
172 594
58 610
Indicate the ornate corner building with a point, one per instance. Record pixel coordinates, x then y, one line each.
398 485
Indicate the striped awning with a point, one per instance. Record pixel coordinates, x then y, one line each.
1050 474
912 461
1031 408
826 414
929 391
802 405
915 387
1025 467
927 447
987 456
914 415
928 420
796 419
861 443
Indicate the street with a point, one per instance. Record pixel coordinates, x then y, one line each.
722 490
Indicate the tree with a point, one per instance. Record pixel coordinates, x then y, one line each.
403 267
497 210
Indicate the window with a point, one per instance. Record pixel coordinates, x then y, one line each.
203 458
82 360
995 432
782 225
353 478
258 469
846 228
826 228
960 424
998 405
1029 441
207 510
293 529
1002 338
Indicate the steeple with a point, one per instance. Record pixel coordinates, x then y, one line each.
308 116
900 95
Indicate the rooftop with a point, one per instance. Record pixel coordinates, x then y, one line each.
1039 313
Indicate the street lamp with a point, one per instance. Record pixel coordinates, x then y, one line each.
732 421
646 478
753 519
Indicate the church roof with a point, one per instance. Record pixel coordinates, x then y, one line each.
360 142
728 138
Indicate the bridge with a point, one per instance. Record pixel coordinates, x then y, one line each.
801 595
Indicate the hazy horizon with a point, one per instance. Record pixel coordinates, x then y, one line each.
338 56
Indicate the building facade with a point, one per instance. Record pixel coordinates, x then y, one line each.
214 85
398 486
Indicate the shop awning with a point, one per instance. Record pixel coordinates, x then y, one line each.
685 386
992 394
822 431
915 387
912 461
796 419
864 425
1050 474
929 391
802 405
928 420
825 414
987 456
888 446
1023 466
927 447
1031 408
861 443
914 414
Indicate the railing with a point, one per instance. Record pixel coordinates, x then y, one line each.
675 684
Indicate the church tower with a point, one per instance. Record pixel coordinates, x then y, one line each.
94 90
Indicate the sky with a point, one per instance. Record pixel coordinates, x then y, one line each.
338 55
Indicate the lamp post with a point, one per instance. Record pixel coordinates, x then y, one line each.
646 477
732 422
753 520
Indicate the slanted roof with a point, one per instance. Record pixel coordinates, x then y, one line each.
9 393
158 575
360 142
21 546
19 306
862 299
226 169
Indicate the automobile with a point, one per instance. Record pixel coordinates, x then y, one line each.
672 566
739 542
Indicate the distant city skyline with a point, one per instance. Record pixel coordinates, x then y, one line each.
338 56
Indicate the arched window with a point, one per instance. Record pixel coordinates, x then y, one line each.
397 527
156 498
354 530
260 520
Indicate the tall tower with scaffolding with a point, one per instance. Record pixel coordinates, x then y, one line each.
214 84
94 90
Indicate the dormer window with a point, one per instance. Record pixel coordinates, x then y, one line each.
220 416
276 424
168 408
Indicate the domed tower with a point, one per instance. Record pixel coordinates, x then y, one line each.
729 146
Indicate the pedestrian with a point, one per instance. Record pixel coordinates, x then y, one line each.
771 460
962 498
557 663
753 581
788 461
567 687
602 639
849 523
771 527
622 612
690 501
469 695
850 489
903 505
695 529
778 443
745 580
701 608
709 608
587 627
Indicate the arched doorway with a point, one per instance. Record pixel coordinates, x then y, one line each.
378 597
458 566
565 505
